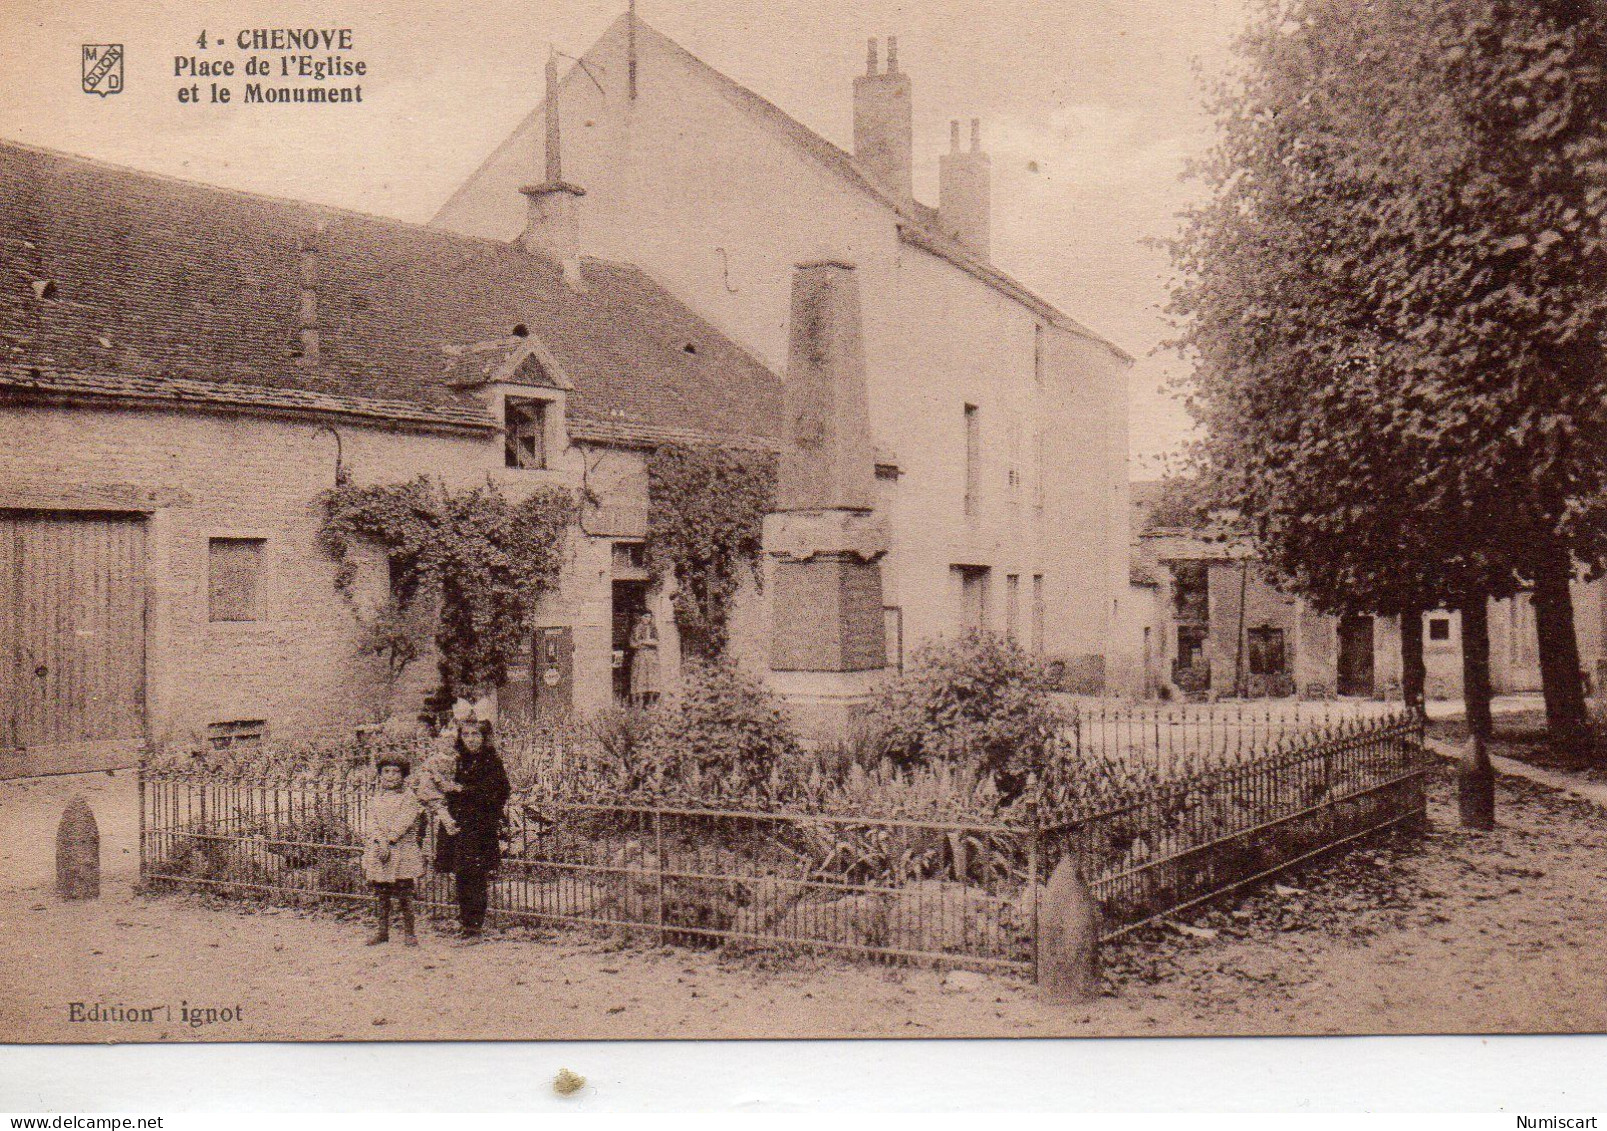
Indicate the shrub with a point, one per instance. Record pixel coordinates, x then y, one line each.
728 730
484 559
978 700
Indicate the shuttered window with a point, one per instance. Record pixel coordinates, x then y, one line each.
234 575
525 444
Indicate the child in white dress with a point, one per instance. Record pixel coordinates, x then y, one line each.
392 856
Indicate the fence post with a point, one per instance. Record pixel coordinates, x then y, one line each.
139 782
658 859
1032 880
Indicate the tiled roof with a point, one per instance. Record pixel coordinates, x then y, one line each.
135 285
179 391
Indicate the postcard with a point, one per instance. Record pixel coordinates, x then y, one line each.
685 520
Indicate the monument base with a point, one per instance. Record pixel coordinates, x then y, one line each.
826 708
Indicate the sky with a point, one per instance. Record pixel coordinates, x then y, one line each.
1090 111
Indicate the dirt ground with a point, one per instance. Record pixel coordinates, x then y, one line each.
1522 736
1458 932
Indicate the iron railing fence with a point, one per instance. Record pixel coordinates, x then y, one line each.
957 892
1183 842
1174 736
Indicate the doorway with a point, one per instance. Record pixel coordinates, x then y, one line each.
630 602
72 642
1355 655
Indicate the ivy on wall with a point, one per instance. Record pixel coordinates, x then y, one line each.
705 525
485 559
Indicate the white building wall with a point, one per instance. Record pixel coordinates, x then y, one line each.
719 204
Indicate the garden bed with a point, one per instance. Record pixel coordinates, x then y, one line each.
954 891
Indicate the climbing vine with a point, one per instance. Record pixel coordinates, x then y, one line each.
484 559
706 509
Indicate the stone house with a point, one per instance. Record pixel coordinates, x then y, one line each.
184 370
1216 624
998 422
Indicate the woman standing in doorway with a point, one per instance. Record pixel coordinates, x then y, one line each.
477 808
644 661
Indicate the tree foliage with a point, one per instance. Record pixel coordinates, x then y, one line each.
484 559
1393 297
706 509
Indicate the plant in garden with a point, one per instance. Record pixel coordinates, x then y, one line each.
705 526
726 728
977 700
482 559
1393 302
395 633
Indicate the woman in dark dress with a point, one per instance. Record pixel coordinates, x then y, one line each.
477 807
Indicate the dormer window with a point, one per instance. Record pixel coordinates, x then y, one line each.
525 425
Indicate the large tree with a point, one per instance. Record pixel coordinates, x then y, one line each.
1395 307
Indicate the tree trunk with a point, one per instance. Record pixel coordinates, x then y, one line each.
1414 671
1475 776
1567 719
1475 786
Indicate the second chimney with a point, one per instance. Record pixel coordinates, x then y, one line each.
552 223
884 130
965 192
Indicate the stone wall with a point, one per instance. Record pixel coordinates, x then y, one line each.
296 667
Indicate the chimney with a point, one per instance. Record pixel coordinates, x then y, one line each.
307 316
884 128
964 202
552 223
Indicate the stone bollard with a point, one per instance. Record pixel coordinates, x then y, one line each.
78 852
1068 937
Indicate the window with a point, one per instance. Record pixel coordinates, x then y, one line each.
1037 353
630 556
1191 599
973 460
1266 651
525 425
1439 628
1190 646
242 732
1012 600
234 568
1039 469
1013 451
1037 614
973 597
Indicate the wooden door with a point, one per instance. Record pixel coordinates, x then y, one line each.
554 671
72 642
1355 655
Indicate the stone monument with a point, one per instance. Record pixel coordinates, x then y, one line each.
828 650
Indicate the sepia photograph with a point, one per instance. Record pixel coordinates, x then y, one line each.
711 519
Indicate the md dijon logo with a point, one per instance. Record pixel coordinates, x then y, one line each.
103 68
